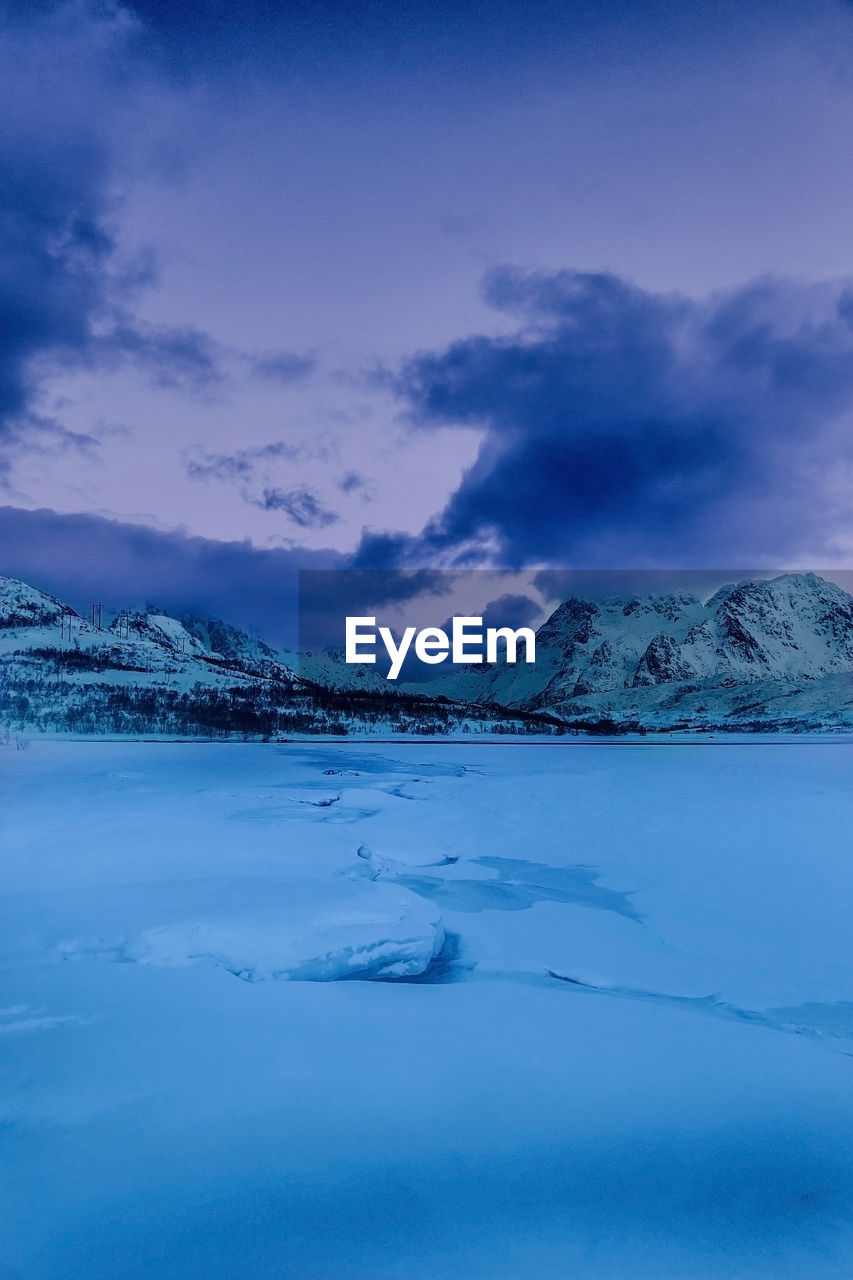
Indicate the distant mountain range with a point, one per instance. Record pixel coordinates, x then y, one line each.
772 655
146 673
767 654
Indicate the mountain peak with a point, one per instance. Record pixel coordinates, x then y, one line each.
642 657
655 661
24 606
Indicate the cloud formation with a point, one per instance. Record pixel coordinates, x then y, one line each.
616 424
242 465
75 79
249 470
285 367
54 245
300 505
624 425
511 610
84 557
66 289
173 356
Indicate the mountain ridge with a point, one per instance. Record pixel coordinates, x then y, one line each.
795 627
144 672
773 654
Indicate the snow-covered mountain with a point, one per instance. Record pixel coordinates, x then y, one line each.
328 667
148 673
63 671
32 622
763 655
772 653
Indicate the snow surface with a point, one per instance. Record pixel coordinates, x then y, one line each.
315 931
601 1024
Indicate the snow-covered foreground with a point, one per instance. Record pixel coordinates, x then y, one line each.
599 1022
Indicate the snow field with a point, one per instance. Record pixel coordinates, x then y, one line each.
615 1043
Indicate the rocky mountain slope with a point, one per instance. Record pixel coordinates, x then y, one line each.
773 653
149 673
764 655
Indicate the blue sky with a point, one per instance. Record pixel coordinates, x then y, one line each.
384 284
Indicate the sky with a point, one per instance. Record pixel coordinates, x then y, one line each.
382 284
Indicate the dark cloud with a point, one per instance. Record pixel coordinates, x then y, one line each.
328 596
300 505
53 254
240 466
511 610
352 482
285 367
204 32
499 36
65 288
620 424
47 436
175 356
82 558
384 550
249 470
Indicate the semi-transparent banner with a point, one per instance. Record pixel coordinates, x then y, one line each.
640 649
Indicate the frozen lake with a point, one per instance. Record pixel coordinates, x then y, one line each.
408 1011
